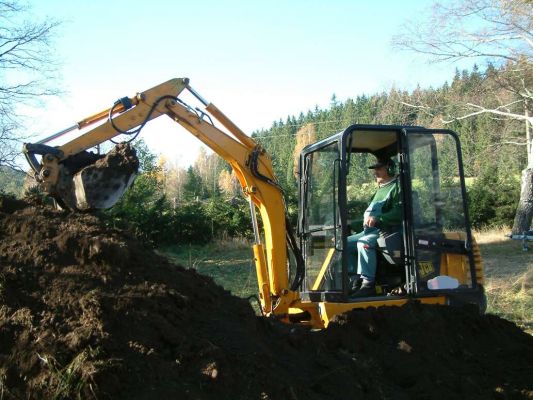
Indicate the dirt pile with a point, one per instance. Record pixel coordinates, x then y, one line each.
87 311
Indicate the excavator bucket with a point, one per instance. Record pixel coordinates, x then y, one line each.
89 182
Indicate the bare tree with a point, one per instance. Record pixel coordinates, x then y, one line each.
305 135
228 183
173 178
498 31
26 71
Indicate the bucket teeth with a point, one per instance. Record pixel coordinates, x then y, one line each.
101 184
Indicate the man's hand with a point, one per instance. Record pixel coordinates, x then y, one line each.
370 221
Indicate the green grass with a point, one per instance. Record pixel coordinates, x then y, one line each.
229 263
69 381
508 275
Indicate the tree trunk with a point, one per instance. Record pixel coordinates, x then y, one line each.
524 212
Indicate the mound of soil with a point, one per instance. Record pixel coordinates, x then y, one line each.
87 312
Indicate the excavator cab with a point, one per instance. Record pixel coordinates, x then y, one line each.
430 253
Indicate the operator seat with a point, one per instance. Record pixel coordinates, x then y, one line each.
390 272
390 245
390 250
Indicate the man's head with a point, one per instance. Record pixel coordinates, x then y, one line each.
383 170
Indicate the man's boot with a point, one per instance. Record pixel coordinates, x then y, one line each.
355 284
367 289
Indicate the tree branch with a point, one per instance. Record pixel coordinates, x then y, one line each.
26 72
483 110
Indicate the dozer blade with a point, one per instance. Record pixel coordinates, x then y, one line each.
100 184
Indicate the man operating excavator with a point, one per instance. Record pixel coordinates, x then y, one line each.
383 215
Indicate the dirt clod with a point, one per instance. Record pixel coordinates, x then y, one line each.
89 181
88 312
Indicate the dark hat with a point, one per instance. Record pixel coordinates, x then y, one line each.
382 162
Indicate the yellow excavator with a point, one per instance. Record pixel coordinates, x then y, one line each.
303 277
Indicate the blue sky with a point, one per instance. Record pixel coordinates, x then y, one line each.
258 61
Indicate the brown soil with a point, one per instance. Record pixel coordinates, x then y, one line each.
105 178
88 312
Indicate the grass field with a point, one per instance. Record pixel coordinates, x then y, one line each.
229 263
508 277
508 271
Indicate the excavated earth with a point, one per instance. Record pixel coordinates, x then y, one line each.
88 312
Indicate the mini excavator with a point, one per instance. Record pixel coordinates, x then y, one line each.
302 275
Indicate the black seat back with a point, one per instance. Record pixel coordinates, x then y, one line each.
390 245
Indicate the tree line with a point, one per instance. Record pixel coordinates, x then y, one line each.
170 204
490 108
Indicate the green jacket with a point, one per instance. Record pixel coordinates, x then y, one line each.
386 205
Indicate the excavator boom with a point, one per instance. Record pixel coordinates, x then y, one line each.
83 181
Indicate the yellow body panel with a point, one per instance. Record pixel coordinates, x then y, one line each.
457 265
320 314
329 310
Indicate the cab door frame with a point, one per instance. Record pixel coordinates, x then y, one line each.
415 243
306 232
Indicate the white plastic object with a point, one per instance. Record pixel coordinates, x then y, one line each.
443 282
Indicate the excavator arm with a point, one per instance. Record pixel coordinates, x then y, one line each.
252 166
